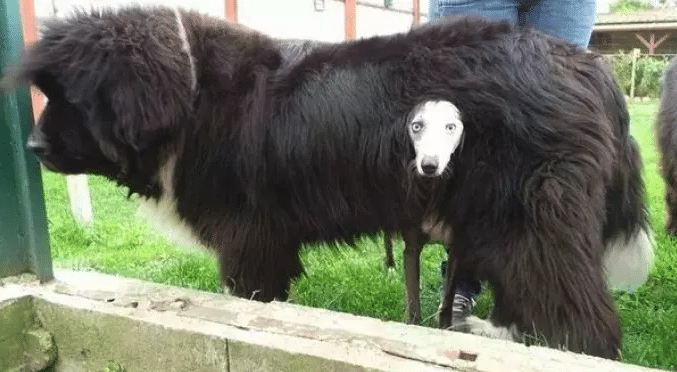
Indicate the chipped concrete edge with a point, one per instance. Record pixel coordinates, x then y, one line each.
229 333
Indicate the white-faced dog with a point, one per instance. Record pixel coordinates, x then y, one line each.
436 131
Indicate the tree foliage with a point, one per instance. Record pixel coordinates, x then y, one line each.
628 6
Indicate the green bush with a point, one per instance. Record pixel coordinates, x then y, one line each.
648 73
629 6
651 70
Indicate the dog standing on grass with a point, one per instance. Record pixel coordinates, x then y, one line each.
436 132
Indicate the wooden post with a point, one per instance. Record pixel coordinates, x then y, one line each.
635 56
78 195
231 10
30 30
417 12
350 10
28 18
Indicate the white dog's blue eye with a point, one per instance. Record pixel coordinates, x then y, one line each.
416 126
451 127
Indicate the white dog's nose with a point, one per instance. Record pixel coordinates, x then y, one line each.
429 165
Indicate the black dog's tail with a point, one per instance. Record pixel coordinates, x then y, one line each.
629 254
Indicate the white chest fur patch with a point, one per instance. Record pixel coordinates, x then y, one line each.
162 213
163 216
437 230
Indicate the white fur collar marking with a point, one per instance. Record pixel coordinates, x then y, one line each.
162 213
186 48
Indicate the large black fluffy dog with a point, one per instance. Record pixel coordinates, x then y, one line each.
255 154
666 128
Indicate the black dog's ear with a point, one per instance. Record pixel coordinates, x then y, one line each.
124 70
32 66
149 98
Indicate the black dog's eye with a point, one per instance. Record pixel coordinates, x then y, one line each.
416 126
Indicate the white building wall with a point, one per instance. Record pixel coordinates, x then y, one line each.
293 19
603 6
298 19
282 19
44 8
372 19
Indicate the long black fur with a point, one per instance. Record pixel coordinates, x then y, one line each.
273 152
666 130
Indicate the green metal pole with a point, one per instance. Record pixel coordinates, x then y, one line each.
24 240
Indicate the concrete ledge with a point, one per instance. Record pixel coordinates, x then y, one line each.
24 345
101 322
16 316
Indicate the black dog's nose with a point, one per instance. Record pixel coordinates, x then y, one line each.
37 144
429 165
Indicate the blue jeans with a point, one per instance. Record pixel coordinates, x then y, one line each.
571 20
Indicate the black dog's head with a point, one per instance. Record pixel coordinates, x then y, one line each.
117 90
62 138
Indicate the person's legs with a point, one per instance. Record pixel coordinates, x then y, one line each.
469 287
571 20
433 10
494 9
467 290
568 19
465 296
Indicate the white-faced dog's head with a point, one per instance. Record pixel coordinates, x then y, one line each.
435 129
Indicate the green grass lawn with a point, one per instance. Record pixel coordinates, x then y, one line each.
352 280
